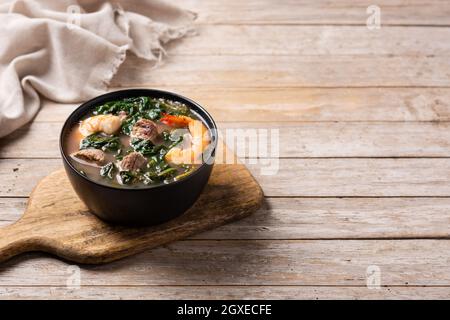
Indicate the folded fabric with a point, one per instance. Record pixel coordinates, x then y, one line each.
69 50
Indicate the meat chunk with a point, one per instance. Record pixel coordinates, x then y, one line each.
91 156
132 162
145 129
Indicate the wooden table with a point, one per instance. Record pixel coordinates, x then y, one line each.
364 178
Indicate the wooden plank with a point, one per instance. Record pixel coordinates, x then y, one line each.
19 176
393 12
320 218
251 262
348 139
354 177
11 209
313 40
304 104
222 292
286 71
52 111
360 177
38 139
296 139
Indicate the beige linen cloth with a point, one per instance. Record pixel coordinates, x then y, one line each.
68 50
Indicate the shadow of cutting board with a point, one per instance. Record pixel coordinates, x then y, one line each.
57 222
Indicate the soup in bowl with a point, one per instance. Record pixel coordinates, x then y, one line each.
140 156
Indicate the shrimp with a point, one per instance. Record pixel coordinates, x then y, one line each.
106 123
199 141
176 121
200 135
198 131
182 156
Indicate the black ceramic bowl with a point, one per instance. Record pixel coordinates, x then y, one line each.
143 206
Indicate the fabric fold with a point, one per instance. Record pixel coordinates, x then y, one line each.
69 50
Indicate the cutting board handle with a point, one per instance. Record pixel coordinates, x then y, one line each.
14 240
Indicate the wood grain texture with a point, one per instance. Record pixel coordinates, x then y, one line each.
250 262
56 221
296 139
394 12
293 61
329 177
416 177
304 104
11 209
287 71
276 40
223 292
320 218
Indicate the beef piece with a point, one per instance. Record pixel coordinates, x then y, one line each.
145 129
132 162
90 156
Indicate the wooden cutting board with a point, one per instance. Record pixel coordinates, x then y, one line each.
57 222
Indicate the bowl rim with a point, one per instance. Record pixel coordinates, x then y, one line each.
103 98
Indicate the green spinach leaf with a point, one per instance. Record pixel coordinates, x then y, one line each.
108 170
99 141
126 177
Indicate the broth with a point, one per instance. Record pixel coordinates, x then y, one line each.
138 142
